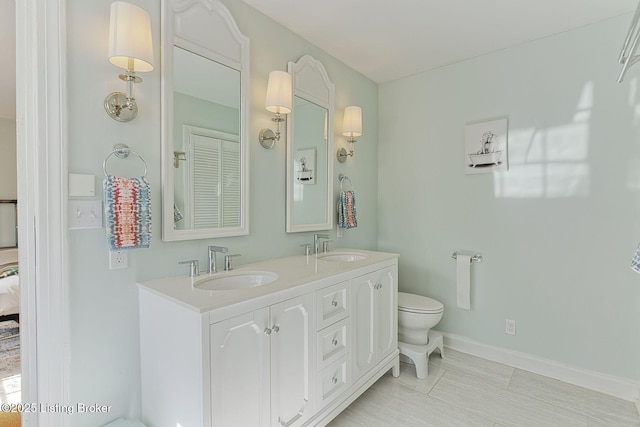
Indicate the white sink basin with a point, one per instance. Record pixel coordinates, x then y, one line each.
236 280
342 256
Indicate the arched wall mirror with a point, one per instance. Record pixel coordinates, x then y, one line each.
309 148
205 153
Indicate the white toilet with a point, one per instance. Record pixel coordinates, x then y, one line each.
416 316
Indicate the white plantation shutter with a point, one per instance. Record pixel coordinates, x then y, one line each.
206 182
230 184
214 179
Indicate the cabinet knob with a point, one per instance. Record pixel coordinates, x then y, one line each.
267 331
275 328
334 380
334 303
334 342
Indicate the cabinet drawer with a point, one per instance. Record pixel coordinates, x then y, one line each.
333 381
333 343
332 304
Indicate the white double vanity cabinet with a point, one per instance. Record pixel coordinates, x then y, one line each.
286 342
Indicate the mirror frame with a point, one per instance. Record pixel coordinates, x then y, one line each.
310 82
222 42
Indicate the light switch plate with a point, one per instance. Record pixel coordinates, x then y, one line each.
85 213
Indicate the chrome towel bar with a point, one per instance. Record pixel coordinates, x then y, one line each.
474 257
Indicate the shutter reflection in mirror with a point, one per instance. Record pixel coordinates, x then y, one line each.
213 187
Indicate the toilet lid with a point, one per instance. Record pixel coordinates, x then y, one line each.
418 304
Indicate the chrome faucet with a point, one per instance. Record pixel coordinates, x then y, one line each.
316 240
212 257
227 261
194 271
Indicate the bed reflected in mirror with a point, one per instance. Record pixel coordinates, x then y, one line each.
10 368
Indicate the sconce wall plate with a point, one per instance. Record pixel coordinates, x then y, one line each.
119 108
267 138
342 155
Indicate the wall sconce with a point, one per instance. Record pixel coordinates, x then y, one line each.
130 48
352 127
279 100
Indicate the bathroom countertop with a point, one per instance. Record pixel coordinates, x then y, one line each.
293 272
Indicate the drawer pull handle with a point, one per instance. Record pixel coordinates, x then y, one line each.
275 328
334 380
334 341
334 303
267 331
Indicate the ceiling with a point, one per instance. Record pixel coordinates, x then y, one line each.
387 40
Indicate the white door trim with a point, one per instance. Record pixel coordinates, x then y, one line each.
42 197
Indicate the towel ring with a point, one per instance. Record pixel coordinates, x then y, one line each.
122 151
342 177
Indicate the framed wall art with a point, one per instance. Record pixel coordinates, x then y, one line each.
485 146
305 165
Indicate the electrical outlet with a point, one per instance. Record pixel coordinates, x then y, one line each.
510 326
118 259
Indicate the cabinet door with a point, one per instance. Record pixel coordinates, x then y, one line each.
375 319
240 369
364 319
292 350
386 309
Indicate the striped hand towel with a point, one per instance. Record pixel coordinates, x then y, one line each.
635 261
127 209
347 210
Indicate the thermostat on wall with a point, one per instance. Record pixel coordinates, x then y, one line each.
82 185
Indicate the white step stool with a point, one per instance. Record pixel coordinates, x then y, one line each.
419 354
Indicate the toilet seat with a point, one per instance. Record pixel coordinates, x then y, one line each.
411 303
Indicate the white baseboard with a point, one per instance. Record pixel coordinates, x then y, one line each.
603 383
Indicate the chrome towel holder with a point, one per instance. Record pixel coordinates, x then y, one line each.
474 258
342 177
122 151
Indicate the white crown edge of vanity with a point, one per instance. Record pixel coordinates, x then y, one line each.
296 275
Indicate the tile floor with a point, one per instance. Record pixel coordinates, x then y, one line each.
464 390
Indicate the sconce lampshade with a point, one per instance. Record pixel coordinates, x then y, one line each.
130 45
279 94
352 124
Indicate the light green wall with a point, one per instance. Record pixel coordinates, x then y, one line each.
557 231
206 114
104 348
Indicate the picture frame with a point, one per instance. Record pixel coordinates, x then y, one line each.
305 166
485 146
